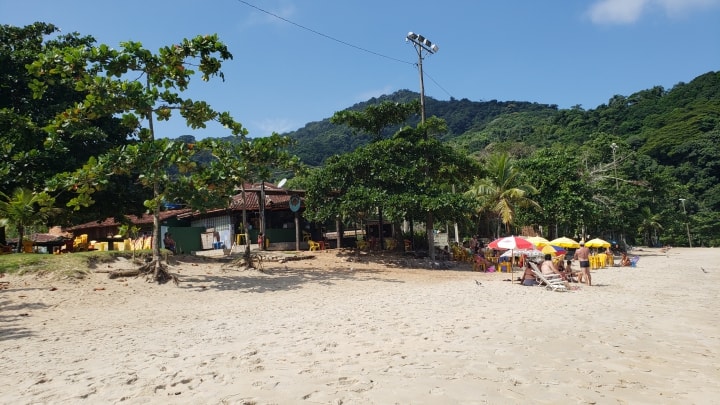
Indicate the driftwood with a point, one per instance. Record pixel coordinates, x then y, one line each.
247 261
152 270
124 273
294 258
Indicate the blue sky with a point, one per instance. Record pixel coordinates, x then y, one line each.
322 56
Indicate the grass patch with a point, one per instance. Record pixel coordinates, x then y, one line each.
75 265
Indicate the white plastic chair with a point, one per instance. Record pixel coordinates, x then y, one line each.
552 282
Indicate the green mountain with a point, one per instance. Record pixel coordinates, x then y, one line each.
655 121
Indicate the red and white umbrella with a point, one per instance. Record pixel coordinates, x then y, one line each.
511 242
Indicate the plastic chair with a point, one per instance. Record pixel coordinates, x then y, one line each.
505 267
313 245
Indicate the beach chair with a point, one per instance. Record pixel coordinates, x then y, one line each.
552 282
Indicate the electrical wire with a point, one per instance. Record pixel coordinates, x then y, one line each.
339 41
323 35
436 83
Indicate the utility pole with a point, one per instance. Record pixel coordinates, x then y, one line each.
614 146
687 224
423 45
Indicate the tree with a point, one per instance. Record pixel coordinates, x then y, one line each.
649 226
141 87
563 191
24 208
237 163
375 118
405 178
501 193
26 159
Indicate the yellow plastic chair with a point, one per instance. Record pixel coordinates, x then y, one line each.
505 267
313 245
459 254
602 260
361 244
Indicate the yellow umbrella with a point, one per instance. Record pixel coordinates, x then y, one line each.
538 240
553 250
565 242
597 243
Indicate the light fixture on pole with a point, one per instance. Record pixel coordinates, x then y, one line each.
687 225
422 45
614 146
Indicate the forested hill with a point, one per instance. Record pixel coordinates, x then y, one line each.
665 124
319 140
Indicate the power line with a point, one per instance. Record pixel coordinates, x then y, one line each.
436 83
339 40
323 35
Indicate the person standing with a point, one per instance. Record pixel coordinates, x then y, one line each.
583 256
169 242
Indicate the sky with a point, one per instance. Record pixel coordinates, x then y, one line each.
299 61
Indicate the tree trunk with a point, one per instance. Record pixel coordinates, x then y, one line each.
340 232
124 273
430 236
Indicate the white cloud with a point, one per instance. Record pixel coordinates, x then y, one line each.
679 8
270 125
366 95
616 11
629 11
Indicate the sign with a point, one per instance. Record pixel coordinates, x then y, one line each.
295 203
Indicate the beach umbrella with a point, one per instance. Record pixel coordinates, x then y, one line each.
597 243
520 252
511 243
565 242
553 250
538 240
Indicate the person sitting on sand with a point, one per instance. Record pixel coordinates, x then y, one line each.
528 277
625 261
569 272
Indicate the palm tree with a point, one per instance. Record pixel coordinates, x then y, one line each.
649 226
25 208
500 193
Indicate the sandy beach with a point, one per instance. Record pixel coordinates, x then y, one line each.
345 329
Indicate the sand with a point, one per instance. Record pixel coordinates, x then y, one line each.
343 329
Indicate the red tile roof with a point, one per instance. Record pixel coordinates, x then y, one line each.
144 219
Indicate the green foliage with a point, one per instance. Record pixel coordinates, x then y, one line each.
109 80
502 191
404 177
27 157
24 208
375 118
